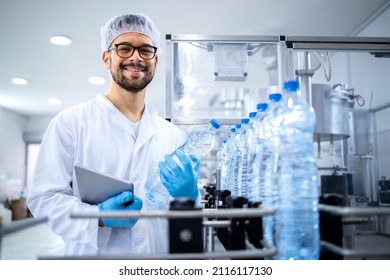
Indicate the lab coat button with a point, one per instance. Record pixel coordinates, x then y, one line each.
140 242
135 178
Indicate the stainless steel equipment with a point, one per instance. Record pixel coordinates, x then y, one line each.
332 105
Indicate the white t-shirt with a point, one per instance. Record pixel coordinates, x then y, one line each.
135 127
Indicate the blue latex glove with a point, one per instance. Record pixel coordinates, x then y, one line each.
117 203
179 181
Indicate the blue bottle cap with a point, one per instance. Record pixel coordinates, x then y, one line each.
215 123
291 85
244 121
275 96
238 126
262 107
232 130
252 114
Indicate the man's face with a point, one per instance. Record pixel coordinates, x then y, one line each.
134 73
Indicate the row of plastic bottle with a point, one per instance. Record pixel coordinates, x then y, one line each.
269 158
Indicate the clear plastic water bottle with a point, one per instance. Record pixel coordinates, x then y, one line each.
254 143
246 156
297 216
234 162
228 181
267 185
222 157
200 141
242 160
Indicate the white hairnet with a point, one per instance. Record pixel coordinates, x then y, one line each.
138 23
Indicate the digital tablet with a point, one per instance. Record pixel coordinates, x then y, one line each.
96 187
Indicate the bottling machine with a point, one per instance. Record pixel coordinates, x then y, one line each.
224 77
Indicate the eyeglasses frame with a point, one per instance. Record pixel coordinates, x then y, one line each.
134 48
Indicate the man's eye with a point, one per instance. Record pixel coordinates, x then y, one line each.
125 49
147 51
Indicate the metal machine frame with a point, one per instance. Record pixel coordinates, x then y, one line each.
377 46
170 61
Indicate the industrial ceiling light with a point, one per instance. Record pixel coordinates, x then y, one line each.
97 80
54 101
19 81
60 40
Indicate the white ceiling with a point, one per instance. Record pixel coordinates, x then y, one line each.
63 72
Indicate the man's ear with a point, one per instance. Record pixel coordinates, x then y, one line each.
106 59
156 61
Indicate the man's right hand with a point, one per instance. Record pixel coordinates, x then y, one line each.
119 203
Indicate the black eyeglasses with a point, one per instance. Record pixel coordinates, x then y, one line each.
125 50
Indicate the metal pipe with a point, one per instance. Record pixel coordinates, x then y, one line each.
380 107
204 237
304 75
318 148
334 168
236 254
354 211
368 181
208 213
210 240
217 223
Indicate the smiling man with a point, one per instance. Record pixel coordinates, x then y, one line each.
116 133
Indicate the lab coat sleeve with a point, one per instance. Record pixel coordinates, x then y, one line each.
50 193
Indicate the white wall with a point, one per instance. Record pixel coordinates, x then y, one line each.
12 146
36 127
38 123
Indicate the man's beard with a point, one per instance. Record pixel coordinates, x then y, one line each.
126 84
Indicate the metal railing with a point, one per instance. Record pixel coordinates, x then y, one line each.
350 215
210 221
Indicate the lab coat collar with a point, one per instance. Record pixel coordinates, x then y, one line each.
102 99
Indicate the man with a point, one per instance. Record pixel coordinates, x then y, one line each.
117 134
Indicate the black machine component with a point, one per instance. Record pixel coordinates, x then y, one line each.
210 196
254 227
185 234
240 229
337 184
236 230
384 190
221 198
331 227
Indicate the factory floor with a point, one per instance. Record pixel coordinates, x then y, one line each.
38 241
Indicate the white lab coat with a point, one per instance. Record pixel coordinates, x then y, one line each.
96 135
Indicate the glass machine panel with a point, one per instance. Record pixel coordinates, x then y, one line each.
219 77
